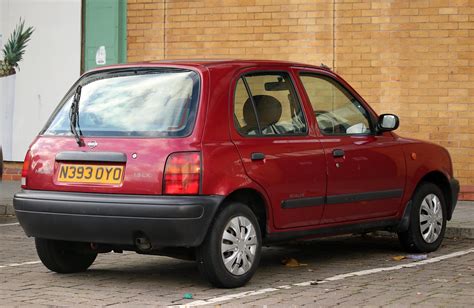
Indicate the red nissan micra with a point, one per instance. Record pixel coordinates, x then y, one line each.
210 160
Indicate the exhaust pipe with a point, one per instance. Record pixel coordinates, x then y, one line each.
142 243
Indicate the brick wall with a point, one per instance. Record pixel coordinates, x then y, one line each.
416 59
11 172
413 58
265 29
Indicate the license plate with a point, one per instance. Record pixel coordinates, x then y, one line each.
94 174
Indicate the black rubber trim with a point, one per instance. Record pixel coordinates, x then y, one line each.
337 199
113 157
365 196
454 185
190 207
303 202
343 229
168 221
405 221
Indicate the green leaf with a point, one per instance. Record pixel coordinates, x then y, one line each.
14 49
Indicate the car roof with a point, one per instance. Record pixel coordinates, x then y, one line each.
202 63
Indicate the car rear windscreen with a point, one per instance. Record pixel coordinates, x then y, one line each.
142 103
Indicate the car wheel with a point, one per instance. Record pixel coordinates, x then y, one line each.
64 257
230 253
427 220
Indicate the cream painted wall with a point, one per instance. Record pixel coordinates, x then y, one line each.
51 63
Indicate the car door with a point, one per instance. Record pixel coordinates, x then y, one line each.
366 170
271 133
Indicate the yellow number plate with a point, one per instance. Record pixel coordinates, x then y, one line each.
94 174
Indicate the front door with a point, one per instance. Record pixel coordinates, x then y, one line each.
366 171
271 134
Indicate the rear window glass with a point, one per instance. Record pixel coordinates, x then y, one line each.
151 103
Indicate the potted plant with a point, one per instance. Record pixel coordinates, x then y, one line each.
13 52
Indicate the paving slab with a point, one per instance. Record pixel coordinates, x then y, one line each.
7 190
462 223
133 280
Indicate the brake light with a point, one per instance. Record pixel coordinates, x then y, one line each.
24 170
182 174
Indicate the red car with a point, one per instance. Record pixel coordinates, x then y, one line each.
210 160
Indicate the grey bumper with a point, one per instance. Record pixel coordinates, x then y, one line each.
168 221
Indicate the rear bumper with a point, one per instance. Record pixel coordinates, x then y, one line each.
454 185
168 221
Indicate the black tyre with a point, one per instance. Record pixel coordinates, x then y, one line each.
64 257
427 220
230 253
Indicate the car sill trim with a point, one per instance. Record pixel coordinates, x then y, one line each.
327 231
365 196
302 202
338 199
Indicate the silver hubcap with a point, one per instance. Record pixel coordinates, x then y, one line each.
238 245
431 218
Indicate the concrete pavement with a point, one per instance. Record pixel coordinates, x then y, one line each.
351 271
462 223
347 271
7 190
461 226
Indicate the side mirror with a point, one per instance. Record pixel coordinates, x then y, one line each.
387 122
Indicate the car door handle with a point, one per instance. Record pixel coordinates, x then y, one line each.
257 156
338 153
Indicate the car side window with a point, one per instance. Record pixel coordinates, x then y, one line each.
337 111
267 104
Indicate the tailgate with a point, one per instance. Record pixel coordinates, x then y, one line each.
103 165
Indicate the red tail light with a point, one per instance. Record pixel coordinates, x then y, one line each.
24 170
182 174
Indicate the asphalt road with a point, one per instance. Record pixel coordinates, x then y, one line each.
446 278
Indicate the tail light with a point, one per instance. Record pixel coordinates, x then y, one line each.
25 169
182 174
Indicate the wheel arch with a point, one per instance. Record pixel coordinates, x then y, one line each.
253 199
440 179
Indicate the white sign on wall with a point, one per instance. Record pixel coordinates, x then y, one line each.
100 56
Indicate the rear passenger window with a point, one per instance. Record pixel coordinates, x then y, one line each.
266 104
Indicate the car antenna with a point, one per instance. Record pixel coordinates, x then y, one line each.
325 66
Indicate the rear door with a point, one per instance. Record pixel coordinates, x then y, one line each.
366 171
272 136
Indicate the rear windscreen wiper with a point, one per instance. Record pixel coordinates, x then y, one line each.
74 117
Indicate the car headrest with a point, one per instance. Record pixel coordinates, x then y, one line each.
268 109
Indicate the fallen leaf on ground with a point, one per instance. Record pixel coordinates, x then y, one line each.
398 258
292 262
